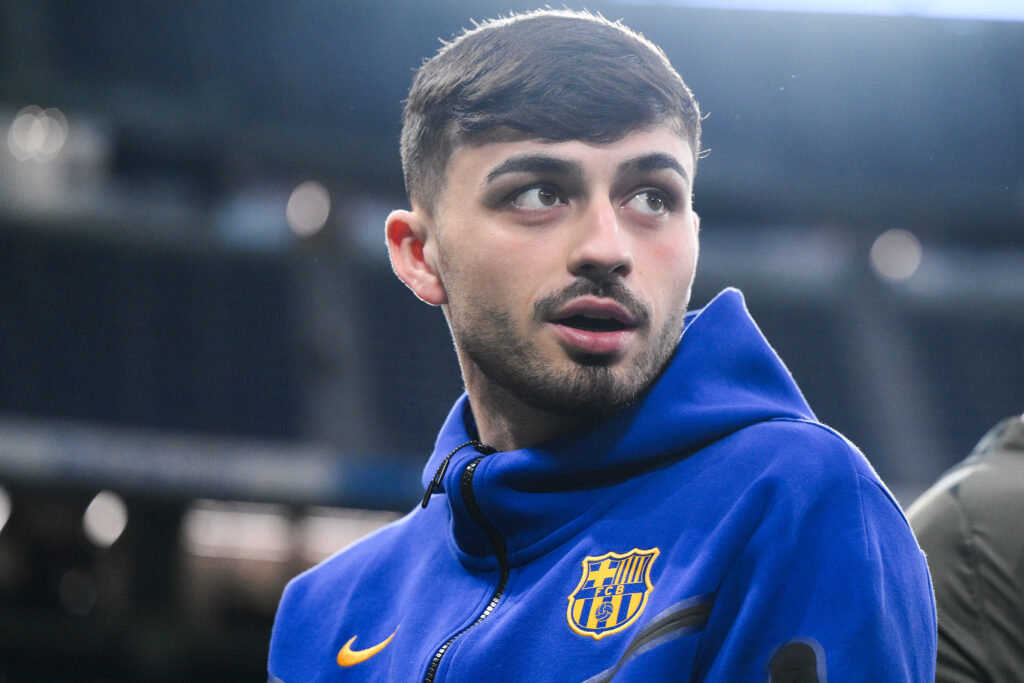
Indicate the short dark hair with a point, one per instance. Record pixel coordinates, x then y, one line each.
551 74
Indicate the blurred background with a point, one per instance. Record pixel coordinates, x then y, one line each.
210 379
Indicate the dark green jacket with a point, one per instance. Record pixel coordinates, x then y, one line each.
971 526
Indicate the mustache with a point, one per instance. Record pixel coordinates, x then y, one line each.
546 307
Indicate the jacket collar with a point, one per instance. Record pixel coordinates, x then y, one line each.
724 376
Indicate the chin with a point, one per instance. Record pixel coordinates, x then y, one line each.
593 390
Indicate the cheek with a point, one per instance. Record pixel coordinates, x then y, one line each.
513 270
493 283
669 274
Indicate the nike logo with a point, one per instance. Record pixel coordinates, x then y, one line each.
349 657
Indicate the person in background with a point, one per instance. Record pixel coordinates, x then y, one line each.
626 490
970 524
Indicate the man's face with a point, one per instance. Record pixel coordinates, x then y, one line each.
566 266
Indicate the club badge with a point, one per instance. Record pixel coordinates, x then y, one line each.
612 592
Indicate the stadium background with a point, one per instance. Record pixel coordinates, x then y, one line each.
209 378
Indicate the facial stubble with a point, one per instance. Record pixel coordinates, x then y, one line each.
586 385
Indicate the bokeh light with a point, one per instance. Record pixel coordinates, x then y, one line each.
37 134
896 255
105 519
5 507
308 208
78 592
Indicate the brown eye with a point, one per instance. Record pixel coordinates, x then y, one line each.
649 202
537 198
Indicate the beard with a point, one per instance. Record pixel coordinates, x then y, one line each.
586 386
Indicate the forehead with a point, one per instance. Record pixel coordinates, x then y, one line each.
476 163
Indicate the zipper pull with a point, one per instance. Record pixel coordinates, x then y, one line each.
436 481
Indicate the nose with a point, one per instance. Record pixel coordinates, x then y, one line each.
601 246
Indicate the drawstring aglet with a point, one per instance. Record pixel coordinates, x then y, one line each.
439 475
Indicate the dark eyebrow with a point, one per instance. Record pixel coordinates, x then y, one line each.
651 162
535 163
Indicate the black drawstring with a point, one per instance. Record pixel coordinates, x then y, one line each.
436 481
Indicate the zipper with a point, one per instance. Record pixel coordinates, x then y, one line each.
500 552
443 467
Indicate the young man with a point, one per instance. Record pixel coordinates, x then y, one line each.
611 498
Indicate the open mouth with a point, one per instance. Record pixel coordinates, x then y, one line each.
592 324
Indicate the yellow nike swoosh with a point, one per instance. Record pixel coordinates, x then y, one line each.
349 657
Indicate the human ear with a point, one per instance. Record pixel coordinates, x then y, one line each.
406 234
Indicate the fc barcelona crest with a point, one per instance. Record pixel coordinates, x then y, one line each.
612 592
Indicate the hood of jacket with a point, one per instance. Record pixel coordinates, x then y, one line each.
723 377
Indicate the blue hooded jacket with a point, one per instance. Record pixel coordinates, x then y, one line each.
713 531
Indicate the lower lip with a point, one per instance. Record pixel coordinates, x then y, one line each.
594 343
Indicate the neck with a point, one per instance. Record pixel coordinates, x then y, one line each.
506 423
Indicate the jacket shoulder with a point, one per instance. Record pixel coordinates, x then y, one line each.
355 558
311 608
810 454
